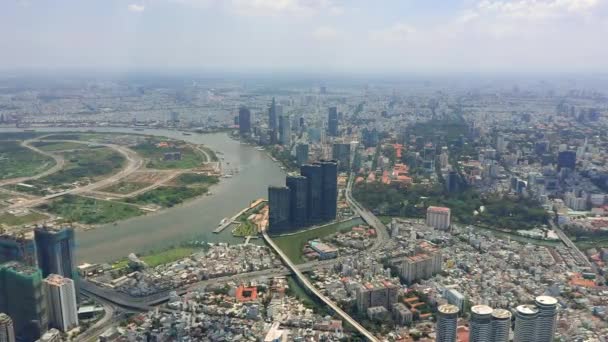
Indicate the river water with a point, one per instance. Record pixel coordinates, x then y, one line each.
196 219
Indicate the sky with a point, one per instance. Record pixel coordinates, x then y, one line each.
306 35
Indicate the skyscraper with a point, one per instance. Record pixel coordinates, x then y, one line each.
314 196
21 297
284 130
332 122
341 153
61 302
278 209
272 115
302 154
447 320
547 315
298 212
244 120
56 251
18 248
481 324
525 323
329 189
7 331
501 325
566 159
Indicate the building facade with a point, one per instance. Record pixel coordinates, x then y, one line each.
278 209
298 202
525 323
480 324
438 217
332 122
61 302
7 330
447 321
244 121
56 251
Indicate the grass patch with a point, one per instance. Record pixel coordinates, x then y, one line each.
58 146
292 244
155 154
167 196
195 179
168 256
246 228
89 210
124 188
91 163
14 220
18 161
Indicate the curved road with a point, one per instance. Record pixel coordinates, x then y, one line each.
59 164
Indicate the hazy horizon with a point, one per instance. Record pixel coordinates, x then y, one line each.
466 36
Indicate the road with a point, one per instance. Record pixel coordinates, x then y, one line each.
306 283
582 258
59 163
134 162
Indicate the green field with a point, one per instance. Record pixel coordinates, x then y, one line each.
292 244
124 188
246 229
190 157
90 163
88 210
57 146
167 196
13 220
18 161
194 179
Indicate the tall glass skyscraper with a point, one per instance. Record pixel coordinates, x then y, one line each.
56 251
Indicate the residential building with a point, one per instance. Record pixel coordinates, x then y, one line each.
298 202
244 121
455 298
284 130
56 251
447 321
302 154
546 320
329 193
480 324
18 248
332 122
438 217
501 325
278 209
525 323
314 174
341 153
61 302
7 330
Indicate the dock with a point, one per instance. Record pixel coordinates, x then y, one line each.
233 218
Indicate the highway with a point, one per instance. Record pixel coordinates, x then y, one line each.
304 281
582 258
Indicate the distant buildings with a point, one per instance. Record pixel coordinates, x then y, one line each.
244 121
341 153
447 321
301 154
7 331
566 159
332 122
307 199
61 302
284 130
272 115
438 217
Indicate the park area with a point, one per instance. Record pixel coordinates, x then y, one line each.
19 161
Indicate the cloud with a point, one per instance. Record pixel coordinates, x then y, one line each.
326 33
397 33
533 9
136 8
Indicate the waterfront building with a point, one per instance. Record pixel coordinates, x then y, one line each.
22 298
480 324
278 209
330 190
525 323
61 302
501 325
244 121
55 249
447 321
314 196
298 201
7 331
438 217
332 122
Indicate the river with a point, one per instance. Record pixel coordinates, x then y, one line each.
194 219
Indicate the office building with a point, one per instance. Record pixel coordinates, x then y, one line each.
22 298
525 323
566 159
314 174
438 217
546 320
332 122
278 209
369 137
56 251
501 325
7 330
298 201
447 321
452 182
302 154
272 116
480 324
61 302
284 130
330 190
244 121
18 248
341 153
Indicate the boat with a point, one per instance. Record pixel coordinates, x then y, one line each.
224 220
186 133
29 130
259 148
138 129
